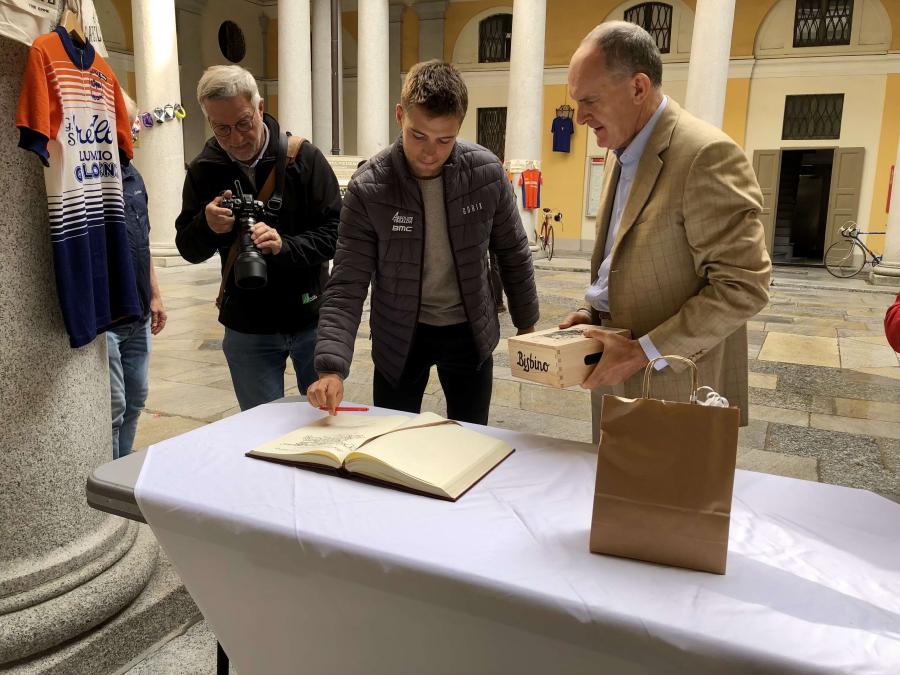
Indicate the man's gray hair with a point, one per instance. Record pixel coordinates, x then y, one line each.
627 50
222 82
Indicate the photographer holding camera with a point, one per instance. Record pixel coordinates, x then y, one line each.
275 234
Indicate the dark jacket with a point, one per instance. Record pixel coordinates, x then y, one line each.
307 223
137 222
382 232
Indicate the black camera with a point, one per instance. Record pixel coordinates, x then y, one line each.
249 266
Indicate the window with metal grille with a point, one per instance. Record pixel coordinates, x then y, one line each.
495 38
656 19
819 23
812 116
491 131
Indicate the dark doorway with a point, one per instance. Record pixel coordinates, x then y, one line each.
802 214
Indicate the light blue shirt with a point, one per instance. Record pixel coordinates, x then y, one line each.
597 294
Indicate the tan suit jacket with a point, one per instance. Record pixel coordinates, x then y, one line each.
689 264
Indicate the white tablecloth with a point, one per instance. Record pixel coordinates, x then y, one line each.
298 571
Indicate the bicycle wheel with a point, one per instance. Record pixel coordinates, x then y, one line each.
550 243
845 258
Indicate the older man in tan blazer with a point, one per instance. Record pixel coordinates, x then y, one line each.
680 257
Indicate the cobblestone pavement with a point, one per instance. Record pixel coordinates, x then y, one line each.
825 388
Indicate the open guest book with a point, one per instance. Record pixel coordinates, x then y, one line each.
426 454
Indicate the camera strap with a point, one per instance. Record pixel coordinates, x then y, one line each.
270 194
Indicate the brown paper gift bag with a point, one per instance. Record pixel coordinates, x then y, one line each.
665 473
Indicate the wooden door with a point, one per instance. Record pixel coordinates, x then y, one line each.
767 165
843 197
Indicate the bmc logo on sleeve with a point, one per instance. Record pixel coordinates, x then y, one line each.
401 223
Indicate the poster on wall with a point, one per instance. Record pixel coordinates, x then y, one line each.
594 185
91 25
24 20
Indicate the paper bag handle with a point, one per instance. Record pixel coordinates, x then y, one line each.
648 372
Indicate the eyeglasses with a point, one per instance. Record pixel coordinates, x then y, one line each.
243 125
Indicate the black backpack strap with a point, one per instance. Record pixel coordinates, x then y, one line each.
274 202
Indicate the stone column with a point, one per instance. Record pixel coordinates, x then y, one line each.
396 82
525 104
294 68
710 56
160 159
193 127
321 76
64 567
431 29
888 272
373 106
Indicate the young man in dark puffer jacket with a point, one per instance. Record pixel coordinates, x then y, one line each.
422 216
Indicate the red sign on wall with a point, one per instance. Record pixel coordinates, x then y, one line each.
887 207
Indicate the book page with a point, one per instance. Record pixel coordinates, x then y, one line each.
425 419
444 459
329 440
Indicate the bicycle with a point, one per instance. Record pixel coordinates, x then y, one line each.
847 257
545 238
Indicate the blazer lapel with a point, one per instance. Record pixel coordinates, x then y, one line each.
604 210
649 168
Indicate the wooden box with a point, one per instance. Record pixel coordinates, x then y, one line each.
560 357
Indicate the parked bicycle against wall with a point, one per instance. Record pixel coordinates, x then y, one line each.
846 258
545 237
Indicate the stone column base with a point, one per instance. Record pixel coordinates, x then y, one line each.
156 605
886 274
55 620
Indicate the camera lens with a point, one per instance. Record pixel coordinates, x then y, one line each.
250 267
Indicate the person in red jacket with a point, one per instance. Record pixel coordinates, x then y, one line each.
892 324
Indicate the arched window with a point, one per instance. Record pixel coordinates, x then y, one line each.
495 38
819 23
656 19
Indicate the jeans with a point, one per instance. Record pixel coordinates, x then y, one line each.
257 363
467 387
128 348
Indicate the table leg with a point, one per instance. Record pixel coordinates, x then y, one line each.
221 660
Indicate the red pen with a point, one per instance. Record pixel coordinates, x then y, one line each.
347 408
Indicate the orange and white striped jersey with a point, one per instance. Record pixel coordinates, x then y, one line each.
531 182
71 114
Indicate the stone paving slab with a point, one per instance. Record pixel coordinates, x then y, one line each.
753 436
190 653
873 410
844 458
802 349
762 461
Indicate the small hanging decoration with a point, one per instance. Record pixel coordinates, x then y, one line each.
165 113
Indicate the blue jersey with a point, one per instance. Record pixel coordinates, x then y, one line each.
562 130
